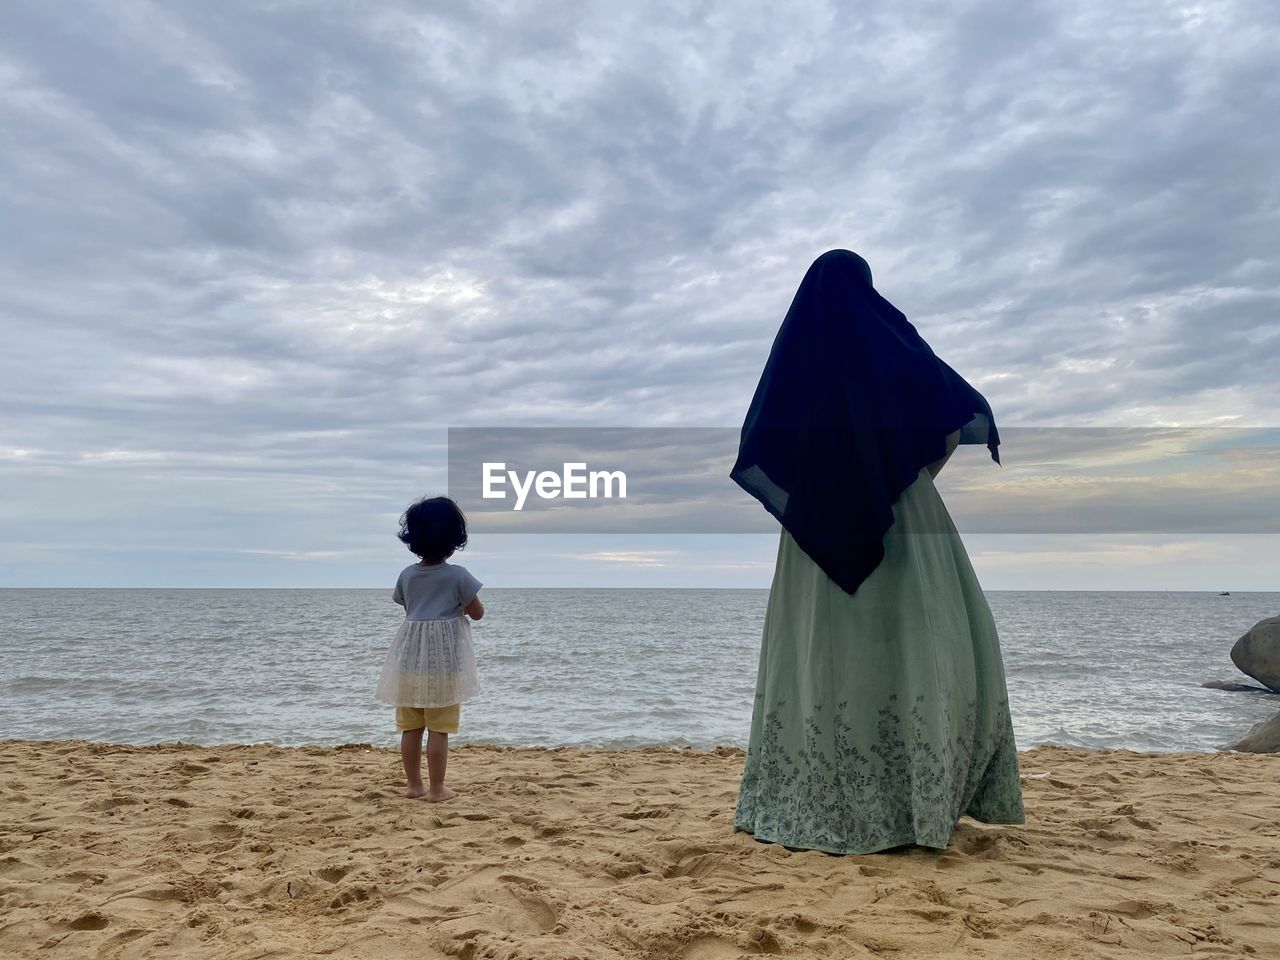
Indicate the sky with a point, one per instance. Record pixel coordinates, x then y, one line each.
258 258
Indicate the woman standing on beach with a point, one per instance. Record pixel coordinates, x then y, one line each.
881 715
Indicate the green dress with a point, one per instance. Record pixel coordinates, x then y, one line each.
882 717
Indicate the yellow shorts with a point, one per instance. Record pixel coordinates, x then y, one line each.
439 719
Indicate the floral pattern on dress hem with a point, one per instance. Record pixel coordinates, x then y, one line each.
909 785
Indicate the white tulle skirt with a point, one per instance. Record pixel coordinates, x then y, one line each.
431 663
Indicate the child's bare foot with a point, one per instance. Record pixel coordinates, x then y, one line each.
414 791
438 795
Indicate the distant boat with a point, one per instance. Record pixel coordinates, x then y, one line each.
1224 593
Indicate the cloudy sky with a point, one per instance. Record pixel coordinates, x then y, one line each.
256 258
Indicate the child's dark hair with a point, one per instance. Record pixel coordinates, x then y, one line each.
433 528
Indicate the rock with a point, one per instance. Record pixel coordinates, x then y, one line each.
1257 653
1263 737
1235 687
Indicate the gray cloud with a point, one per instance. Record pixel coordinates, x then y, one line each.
257 257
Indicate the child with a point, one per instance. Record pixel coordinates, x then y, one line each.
431 668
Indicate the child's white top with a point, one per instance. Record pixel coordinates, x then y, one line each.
435 592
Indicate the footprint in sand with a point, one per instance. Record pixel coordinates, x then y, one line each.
972 845
356 893
541 828
14 869
90 921
112 803
763 941
539 911
695 865
650 813
805 926
334 873
1135 909
710 947
626 869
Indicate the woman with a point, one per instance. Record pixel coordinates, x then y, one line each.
881 715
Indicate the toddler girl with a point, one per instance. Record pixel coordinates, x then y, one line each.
431 667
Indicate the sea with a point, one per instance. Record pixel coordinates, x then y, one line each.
616 668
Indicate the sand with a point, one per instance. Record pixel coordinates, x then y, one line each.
255 851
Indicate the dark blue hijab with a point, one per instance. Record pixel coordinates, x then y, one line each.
851 405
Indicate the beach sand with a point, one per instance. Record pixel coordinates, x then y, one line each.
255 851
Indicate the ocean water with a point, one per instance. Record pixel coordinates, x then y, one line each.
616 668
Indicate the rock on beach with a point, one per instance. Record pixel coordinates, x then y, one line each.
1257 653
1262 737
